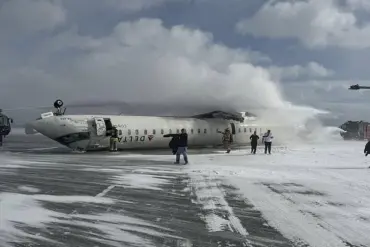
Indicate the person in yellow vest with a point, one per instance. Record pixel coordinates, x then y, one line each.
113 140
227 139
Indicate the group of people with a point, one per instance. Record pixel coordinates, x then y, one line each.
179 143
266 139
227 139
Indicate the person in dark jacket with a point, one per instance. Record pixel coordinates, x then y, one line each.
367 148
173 144
254 139
179 145
182 146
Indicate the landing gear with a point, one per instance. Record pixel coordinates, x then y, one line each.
79 150
58 105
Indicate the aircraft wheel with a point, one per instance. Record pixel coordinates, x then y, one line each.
58 103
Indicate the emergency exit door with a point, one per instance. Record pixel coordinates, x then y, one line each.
100 126
233 131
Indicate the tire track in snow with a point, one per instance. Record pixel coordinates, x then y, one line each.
218 215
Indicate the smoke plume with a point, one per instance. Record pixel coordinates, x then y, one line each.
156 71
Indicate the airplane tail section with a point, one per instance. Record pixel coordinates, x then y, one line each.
29 130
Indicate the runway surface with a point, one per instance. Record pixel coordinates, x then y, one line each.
52 197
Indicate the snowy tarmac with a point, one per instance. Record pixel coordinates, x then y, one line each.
307 195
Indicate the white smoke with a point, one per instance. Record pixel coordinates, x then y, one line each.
182 68
174 70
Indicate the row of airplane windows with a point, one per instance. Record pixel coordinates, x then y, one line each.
178 131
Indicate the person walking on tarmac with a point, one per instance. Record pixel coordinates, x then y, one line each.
113 140
227 139
367 148
182 146
179 145
267 139
254 139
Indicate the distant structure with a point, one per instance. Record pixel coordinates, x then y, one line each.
5 126
355 130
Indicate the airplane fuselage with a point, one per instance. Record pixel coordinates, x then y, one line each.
92 132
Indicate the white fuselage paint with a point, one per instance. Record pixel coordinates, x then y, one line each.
146 132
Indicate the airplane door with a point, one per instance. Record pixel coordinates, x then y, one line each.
233 128
233 132
101 129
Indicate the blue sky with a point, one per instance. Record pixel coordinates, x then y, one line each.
258 53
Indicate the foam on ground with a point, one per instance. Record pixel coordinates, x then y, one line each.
315 195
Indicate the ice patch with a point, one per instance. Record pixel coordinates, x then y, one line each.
108 170
121 228
8 164
28 189
104 192
26 210
211 197
141 181
73 199
21 209
174 172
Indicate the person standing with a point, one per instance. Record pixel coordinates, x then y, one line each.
267 139
182 146
227 139
113 140
367 148
254 139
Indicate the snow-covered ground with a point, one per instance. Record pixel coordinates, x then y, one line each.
310 194
314 195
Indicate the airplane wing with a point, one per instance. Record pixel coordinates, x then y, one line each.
221 114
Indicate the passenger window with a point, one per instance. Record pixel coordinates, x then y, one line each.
120 132
192 131
129 132
205 131
198 131
177 131
137 132
245 130
145 132
162 131
153 132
